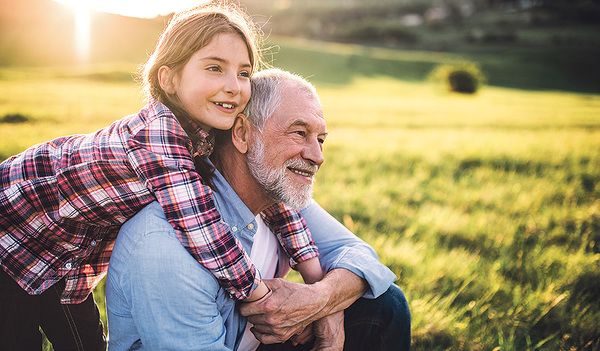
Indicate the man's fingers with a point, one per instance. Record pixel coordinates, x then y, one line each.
258 319
266 338
303 337
252 308
265 329
278 335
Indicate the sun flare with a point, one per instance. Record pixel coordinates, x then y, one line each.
135 8
82 11
82 32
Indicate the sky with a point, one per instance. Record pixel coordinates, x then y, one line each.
134 8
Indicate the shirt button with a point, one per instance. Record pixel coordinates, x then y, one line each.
234 229
93 243
251 226
68 265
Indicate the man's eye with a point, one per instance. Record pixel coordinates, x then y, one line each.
321 140
300 132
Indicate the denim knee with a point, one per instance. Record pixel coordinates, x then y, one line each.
379 324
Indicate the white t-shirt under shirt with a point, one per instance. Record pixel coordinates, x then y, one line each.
265 257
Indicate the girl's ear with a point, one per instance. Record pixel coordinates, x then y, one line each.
240 133
166 79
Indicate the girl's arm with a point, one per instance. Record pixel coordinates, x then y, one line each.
310 270
261 291
291 231
159 154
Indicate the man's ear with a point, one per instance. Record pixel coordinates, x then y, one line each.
240 133
166 79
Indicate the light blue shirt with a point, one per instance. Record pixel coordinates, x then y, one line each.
159 297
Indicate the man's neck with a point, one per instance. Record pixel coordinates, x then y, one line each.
232 165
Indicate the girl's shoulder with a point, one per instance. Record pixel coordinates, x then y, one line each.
154 118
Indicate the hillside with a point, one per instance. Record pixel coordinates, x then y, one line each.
541 48
41 32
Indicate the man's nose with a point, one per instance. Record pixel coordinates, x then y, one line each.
313 152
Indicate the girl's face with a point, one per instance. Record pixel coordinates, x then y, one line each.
214 85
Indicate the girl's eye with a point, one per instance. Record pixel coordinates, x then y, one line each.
214 68
245 74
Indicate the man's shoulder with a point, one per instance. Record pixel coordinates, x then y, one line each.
149 219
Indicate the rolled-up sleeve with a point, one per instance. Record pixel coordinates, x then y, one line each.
340 248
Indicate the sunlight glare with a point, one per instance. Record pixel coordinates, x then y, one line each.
135 8
82 28
82 32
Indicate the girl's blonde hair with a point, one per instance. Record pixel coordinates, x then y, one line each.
188 32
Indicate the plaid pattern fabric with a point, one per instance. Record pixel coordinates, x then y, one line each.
62 204
291 231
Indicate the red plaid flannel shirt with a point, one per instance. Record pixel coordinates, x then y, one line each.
62 204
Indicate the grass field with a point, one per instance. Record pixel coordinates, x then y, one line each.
486 206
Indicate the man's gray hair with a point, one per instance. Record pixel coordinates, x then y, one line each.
267 87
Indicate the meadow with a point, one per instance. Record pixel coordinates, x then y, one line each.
486 206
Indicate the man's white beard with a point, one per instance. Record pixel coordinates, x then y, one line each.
276 182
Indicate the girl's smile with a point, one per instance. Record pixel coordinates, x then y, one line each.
214 85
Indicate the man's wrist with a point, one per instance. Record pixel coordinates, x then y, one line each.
339 289
322 290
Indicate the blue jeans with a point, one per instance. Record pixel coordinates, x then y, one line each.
68 327
382 324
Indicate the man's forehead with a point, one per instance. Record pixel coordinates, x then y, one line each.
310 120
298 106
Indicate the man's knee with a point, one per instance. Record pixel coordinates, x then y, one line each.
381 324
395 300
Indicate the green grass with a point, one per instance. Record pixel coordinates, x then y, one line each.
487 207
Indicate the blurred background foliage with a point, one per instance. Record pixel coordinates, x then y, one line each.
531 44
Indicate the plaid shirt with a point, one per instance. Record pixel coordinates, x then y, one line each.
62 204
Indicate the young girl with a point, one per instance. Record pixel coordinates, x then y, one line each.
62 202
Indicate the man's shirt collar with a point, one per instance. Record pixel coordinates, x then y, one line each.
231 207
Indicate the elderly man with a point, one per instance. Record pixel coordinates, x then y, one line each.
159 297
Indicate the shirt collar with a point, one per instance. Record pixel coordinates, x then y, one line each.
204 142
232 209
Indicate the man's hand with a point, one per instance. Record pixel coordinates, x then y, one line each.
304 337
287 311
329 333
290 307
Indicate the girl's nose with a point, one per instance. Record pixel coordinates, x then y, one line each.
232 85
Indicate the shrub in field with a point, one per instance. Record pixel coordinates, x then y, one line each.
461 78
14 118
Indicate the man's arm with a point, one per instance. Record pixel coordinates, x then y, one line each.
353 269
291 306
340 248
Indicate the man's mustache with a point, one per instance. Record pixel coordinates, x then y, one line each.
302 165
